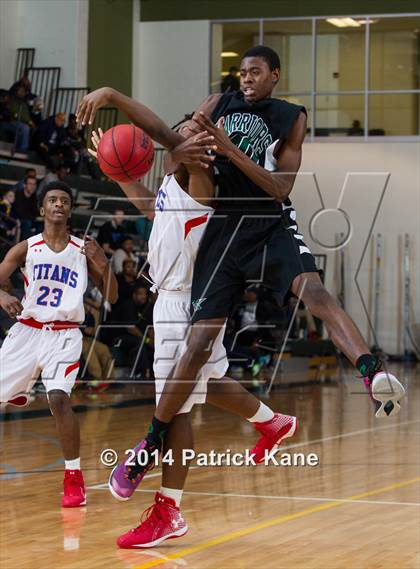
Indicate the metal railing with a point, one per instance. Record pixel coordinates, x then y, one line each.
24 59
154 176
105 118
65 99
44 80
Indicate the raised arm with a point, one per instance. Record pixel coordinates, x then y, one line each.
14 258
138 114
142 198
190 129
278 184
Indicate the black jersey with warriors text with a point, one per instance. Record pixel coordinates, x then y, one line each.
256 129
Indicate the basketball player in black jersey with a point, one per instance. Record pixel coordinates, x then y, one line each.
254 236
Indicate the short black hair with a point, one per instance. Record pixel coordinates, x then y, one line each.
54 185
29 177
140 285
268 54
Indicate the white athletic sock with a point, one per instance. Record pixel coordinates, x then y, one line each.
176 495
263 414
72 464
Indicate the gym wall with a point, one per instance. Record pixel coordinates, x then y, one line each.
58 30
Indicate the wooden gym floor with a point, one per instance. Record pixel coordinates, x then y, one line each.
359 509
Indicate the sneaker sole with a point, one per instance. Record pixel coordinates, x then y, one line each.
387 390
113 491
179 533
75 505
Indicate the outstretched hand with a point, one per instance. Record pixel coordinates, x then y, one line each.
195 150
95 139
91 103
94 252
221 138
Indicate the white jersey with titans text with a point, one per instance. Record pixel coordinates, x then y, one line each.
178 227
54 282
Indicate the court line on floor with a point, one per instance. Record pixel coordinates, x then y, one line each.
104 485
274 497
351 434
285 448
270 523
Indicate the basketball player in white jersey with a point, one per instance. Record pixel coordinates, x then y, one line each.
46 339
180 215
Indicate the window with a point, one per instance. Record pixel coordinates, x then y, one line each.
394 114
292 40
394 53
339 115
340 56
229 42
356 76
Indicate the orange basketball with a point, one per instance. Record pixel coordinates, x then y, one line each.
125 153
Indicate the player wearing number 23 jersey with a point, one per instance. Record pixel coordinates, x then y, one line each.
46 339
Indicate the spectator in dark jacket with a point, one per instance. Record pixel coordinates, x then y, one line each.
126 281
26 206
137 315
112 232
49 140
231 81
21 183
9 224
18 121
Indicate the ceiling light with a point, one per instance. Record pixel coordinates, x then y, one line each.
230 54
343 22
367 21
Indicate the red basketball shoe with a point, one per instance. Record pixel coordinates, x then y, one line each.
273 432
163 520
74 489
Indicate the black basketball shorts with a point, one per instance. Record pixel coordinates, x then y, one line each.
238 251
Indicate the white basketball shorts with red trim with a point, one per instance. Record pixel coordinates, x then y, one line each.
27 352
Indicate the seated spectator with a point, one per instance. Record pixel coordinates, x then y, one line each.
35 103
49 141
143 227
355 129
9 223
111 232
5 114
21 183
126 281
26 206
97 355
137 315
251 326
124 252
17 121
5 321
59 173
231 81
80 156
